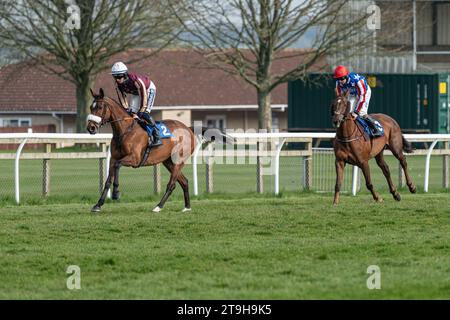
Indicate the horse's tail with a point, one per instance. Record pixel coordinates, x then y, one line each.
213 134
407 146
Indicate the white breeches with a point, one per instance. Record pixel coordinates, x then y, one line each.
135 101
365 106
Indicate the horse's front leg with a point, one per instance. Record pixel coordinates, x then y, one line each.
340 165
116 192
366 171
112 170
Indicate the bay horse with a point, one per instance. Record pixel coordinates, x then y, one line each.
129 143
350 146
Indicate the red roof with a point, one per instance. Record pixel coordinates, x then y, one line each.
24 87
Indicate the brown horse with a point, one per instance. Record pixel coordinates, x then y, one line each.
350 146
129 144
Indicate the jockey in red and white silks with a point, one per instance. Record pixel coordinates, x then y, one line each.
359 93
359 90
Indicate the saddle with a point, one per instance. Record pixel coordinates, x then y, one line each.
369 133
164 131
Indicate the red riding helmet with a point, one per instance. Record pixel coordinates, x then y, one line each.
340 72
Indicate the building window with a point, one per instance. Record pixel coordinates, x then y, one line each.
216 122
15 122
275 123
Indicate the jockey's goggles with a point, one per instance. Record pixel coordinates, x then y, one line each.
119 76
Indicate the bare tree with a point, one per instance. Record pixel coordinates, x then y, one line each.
247 37
75 38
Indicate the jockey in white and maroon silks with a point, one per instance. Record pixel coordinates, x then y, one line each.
142 91
359 93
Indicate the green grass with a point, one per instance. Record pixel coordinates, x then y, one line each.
295 246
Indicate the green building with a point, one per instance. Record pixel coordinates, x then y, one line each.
418 102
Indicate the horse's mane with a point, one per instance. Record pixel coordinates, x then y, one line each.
112 101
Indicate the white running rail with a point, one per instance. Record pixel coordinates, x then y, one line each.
280 138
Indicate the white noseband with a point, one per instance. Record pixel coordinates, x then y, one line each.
95 119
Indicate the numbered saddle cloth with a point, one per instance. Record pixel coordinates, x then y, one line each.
368 130
164 131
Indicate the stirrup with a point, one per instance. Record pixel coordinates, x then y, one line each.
377 133
158 142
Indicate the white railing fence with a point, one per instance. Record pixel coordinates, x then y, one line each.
278 139
275 157
48 140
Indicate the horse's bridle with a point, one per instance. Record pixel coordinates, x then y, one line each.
347 116
101 120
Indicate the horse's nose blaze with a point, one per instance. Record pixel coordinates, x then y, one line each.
335 119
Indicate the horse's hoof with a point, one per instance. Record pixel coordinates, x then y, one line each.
397 196
115 196
157 209
413 189
186 210
95 209
379 200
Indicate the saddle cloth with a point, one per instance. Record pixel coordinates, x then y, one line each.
164 131
368 130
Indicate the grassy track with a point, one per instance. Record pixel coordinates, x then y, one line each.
296 246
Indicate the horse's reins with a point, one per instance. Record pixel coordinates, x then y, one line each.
103 122
120 137
126 118
347 139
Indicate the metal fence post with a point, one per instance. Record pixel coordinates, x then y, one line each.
16 170
108 160
445 169
307 168
157 179
102 172
259 169
355 180
401 176
209 169
277 165
427 166
198 147
46 172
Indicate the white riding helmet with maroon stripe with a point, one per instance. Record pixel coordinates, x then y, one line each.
119 68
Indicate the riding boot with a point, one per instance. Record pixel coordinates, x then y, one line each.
373 126
156 137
